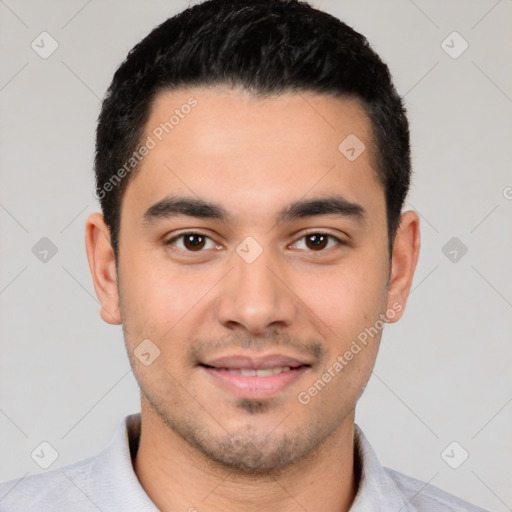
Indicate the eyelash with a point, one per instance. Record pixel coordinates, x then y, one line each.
182 235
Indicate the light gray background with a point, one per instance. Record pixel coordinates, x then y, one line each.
443 373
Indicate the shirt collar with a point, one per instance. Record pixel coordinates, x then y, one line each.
377 490
113 484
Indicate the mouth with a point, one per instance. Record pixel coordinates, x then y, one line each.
256 378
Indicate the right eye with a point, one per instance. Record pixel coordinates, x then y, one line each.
191 242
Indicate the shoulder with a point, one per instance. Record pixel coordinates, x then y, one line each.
52 491
427 497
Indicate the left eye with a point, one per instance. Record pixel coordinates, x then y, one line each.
196 242
318 241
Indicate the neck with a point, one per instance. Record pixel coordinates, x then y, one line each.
176 477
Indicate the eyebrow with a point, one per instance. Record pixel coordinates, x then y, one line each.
173 206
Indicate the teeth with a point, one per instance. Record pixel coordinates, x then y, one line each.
267 372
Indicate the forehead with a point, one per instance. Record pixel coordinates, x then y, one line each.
226 143
224 118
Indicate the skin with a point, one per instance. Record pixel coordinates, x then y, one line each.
201 445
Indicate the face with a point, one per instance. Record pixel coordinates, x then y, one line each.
253 254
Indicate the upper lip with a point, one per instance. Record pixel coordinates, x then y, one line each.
242 362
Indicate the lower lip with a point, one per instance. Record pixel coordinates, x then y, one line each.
255 387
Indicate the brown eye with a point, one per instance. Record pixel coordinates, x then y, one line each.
191 242
317 242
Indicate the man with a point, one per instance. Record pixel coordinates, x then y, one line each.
252 162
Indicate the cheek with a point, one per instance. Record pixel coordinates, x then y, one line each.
155 296
346 298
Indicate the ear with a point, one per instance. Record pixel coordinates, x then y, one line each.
406 249
103 267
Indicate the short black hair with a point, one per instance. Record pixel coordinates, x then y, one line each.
267 47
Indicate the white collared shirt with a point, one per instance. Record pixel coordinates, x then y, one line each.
107 482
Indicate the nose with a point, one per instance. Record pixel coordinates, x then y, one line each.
256 297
